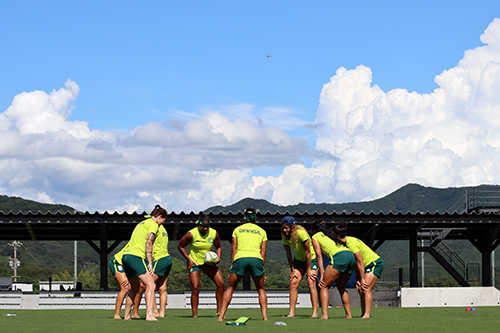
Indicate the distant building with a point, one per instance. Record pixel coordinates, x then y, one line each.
57 285
5 283
22 286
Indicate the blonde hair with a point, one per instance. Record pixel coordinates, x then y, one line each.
294 237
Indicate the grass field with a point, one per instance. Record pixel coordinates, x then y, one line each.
484 319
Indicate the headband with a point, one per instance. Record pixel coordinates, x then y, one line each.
203 223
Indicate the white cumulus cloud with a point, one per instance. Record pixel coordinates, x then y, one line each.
369 142
44 156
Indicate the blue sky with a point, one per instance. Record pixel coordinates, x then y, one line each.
179 63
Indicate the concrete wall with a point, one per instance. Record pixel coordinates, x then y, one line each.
410 297
10 300
381 298
106 300
432 297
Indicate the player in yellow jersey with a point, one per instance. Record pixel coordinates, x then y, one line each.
162 264
248 254
138 260
117 270
200 240
295 237
342 263
369 269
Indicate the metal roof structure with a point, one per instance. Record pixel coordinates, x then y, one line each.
480 228
119 226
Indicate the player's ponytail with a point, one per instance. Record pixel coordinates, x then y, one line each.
320 226
339 230
159 211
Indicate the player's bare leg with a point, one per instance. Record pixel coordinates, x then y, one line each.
122 280
344 295
195 291
259 285
234 279
295 278
161 284
134 288
330 275
311 283
149 294
137 302
368 295
215 274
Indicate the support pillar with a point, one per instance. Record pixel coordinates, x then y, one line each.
486 245
413 260
104 257
486 267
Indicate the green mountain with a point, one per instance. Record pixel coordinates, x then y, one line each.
16 205
40 259
410 198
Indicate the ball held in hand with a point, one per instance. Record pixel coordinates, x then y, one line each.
211 258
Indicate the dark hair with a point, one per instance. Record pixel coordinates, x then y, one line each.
250 215
340 229
203 217
159 211
321 226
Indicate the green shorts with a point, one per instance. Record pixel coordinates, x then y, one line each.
343 261
197 268
134 265
254 266
115 267
299 264
162 266
201 268
376 267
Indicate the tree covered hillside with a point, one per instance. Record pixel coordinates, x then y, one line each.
16 205
410 198
41 259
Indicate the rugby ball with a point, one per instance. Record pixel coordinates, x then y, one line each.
211 258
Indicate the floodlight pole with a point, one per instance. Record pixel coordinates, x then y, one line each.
15 245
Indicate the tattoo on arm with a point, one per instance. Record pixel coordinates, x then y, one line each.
149 247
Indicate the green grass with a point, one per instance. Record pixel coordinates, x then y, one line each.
485 319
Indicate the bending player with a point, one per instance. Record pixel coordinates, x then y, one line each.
162 264
369 268
296 237
117 270
339 270
138 260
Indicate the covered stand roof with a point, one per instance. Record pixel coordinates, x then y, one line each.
374 226
480 228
